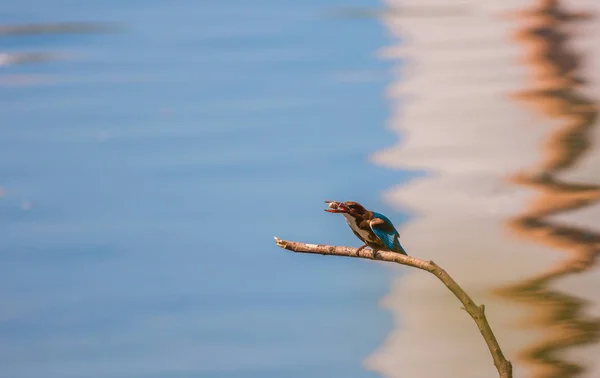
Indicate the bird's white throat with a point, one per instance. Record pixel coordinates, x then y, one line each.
352 223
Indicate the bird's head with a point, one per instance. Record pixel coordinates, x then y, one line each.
352 208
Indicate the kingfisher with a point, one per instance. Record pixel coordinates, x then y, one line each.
375 230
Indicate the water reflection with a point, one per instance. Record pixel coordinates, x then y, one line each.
457 104
458 107
554 92
58 28
9 58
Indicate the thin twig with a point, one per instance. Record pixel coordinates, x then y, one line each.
503 366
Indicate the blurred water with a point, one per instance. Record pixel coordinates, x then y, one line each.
500 106
150 150
145 165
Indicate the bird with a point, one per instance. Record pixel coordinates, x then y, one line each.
375 230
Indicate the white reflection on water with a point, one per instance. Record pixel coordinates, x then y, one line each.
506 179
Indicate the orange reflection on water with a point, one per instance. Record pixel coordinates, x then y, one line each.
554 92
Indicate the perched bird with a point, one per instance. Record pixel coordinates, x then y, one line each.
374 229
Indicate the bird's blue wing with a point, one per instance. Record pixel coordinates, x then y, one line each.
385 231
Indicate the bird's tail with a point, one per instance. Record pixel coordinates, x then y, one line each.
398 247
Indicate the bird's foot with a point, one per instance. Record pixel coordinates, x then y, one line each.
375 254
360 249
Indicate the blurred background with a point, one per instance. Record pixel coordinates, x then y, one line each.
149 152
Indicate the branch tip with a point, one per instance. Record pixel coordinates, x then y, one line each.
280 243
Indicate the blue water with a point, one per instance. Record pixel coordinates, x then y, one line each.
145 172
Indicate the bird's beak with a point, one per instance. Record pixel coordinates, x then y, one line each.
336 211
336 207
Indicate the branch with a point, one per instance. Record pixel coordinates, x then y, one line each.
503 366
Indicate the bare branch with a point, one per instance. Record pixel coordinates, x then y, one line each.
503 366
